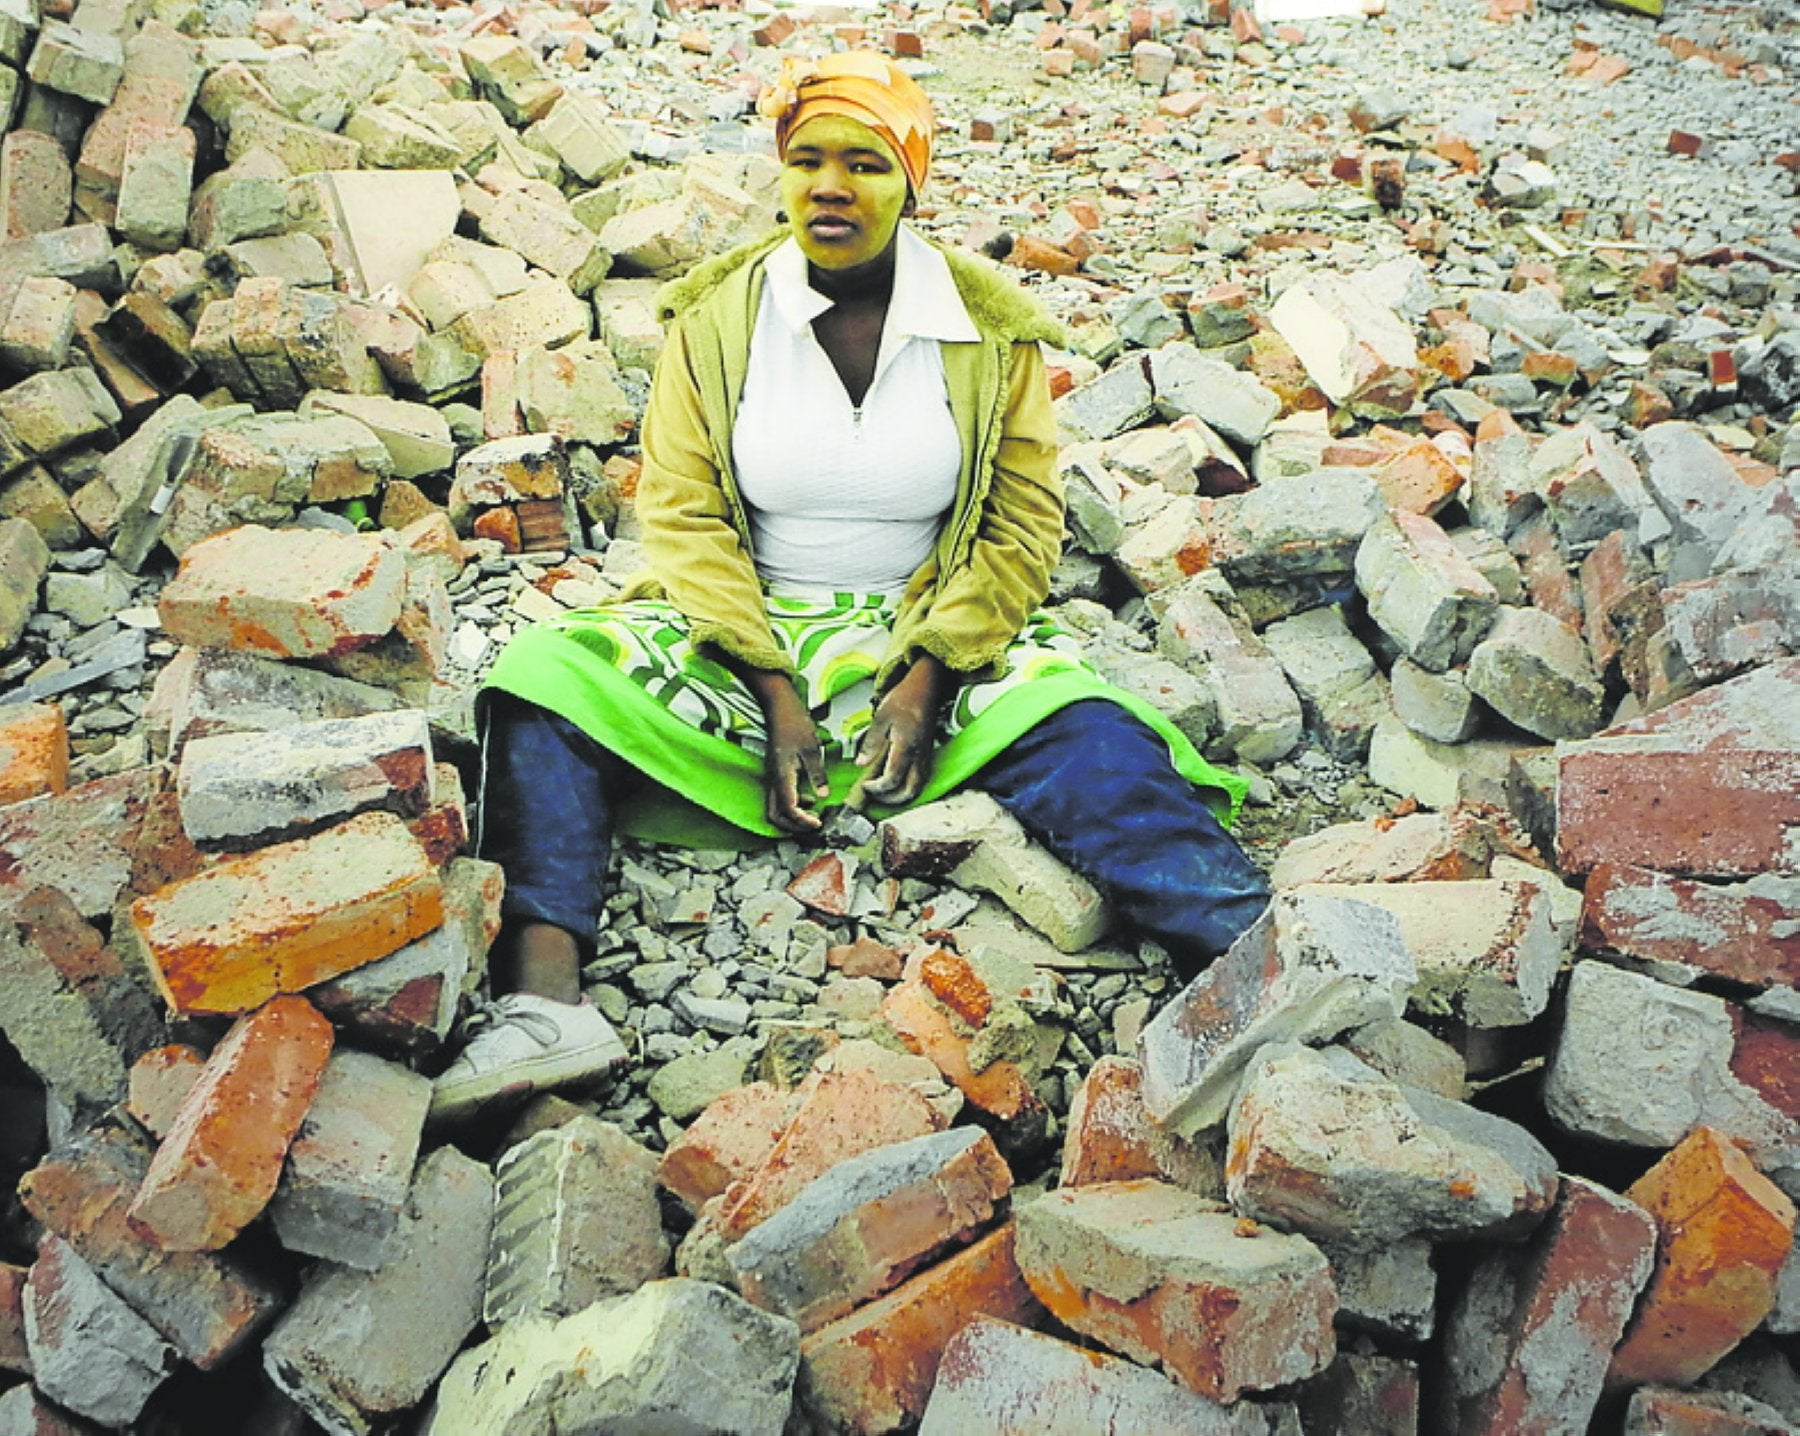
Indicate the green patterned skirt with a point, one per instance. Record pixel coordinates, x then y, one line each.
628 675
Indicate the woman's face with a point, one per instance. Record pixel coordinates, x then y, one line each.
844 191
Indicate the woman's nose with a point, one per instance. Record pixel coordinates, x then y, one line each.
829 183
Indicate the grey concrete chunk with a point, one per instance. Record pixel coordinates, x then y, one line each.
677 1358
1535 671
1422 592
1005 1380
576 1221
347 1174
237 787
358 1348
1235 403
1325 1145
89 1351
1308 970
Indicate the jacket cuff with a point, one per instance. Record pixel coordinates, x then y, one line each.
969 663
727 640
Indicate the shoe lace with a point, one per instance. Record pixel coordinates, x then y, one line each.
489 1013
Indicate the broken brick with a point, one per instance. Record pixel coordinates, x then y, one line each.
1170 1279
218 1167
1723 1232
874 1369
285 917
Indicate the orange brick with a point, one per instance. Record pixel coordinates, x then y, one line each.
873 1370
502 526
160 1082
841 1114
34 752
927 1029
1419 479
1030 252
1109 1132
218 1167
1723 1232
727 1142
229 938
866 957
951 980
443 828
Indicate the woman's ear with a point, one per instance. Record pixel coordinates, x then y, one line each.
911 207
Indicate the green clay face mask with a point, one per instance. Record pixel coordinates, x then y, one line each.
843 190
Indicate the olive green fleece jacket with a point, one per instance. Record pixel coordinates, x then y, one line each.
991 565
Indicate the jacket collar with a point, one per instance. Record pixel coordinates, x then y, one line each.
925 302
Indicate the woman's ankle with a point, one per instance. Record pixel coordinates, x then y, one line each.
540 958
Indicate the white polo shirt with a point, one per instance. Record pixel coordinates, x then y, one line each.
843 496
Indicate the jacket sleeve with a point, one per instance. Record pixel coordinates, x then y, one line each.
1002 573
692 529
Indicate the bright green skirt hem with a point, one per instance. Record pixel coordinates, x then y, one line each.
711 789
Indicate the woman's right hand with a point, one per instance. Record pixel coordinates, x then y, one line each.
794 779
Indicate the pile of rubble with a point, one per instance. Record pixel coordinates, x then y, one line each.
1458 508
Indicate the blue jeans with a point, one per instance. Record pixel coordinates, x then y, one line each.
1091 783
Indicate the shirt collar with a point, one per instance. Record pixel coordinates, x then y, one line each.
925 303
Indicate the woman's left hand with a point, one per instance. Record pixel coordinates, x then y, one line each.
896 751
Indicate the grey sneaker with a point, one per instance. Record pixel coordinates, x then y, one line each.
523 1043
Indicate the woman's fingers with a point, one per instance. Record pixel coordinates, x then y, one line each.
794 766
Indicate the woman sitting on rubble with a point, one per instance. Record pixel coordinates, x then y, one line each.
851 506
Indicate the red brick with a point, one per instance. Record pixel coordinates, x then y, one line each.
207 1305
866 957
1708 786
727 1142
219 1165
776 29
1529 1343
1766 1059
14 1354
1419 478
443 828
1614 568
1729 931
1546 571
869 1223
824 885
1031 252
1724 1231
1222 1304
1110 1137
841 1114
1661 1412
296 593
160 1082
928 1029
34 750
874 1369
35 185
283 918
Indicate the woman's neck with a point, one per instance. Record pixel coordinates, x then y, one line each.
868 283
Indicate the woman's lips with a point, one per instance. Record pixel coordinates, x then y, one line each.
830 226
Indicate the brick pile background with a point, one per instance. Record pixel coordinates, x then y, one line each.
1428 408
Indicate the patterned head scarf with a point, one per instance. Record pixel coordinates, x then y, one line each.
862 86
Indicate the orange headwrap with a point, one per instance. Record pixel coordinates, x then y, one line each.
862 86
